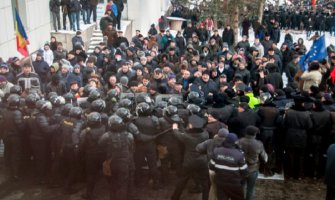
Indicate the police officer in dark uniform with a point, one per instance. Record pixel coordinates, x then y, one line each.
12 136
27 111
56 147
148 125
119 146
174 148
40 138
194 164
94 155
71 128
99 106
230 167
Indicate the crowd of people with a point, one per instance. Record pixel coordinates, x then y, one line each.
206 106
75 10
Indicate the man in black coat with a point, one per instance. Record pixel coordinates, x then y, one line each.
297 121
228 36
243 118
195 163
330 173
207 86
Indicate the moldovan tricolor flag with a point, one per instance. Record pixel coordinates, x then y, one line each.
21 36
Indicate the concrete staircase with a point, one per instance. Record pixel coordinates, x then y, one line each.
97 34
126 27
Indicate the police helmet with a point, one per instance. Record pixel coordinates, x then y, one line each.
125 103
31 99
13 100
66 109
170 110
124 113
69 97
175 101
87 90
115 123
94 95
193 109
51 95
130 96
76 112
45 106
162 104
94 118
143 109
143 97
113 95
57 101
98 105
15 89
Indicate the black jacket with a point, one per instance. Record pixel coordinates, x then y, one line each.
297 122
190 139
54 6
13 119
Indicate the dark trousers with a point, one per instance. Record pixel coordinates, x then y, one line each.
13 155
118 20
330 192
146 152
294 162
64 20
93 164
93 9
56 17
41 153
228 189
196 170
70 162
119 182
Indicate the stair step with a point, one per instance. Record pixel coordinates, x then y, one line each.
97 38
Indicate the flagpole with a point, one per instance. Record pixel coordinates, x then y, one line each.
31 60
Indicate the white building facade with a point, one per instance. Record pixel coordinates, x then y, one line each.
35 16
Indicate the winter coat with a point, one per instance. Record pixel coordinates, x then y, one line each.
54 6
229 162
190 139
75 6
41 68
253 150
228 36
297 122
238 123
94 2
330 166
312 78
13 119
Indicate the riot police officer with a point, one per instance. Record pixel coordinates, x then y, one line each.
94 155
40 138
12 135
146 151
71 128
119 146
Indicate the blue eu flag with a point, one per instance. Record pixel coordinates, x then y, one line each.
318 51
